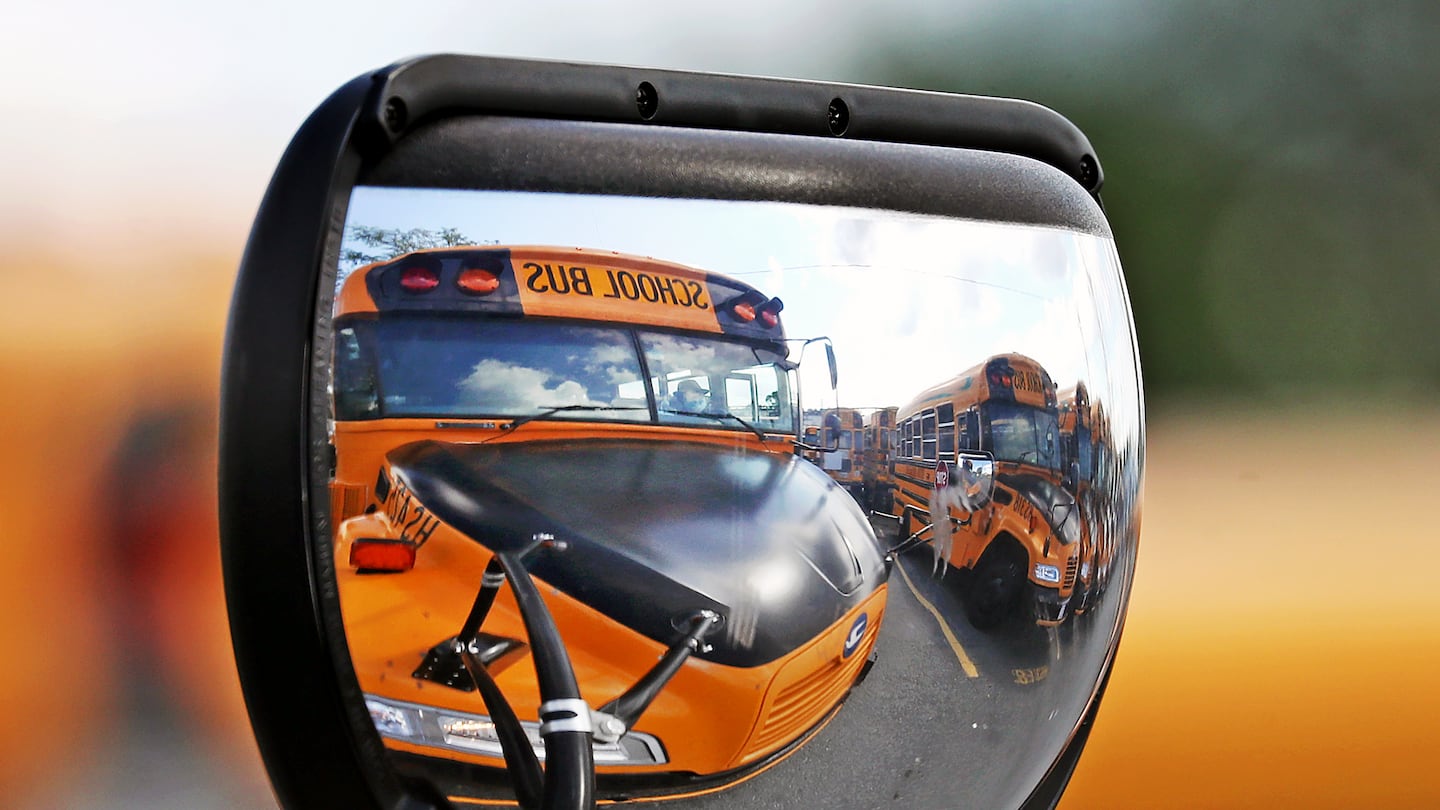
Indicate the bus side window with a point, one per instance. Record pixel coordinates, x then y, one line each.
740 397
967 431
927 433
945 415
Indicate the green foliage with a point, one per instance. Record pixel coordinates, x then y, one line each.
365 244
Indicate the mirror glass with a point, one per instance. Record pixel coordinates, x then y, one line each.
890 580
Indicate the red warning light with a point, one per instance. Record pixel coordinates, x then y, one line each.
419 279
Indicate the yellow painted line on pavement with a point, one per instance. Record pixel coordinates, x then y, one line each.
965 662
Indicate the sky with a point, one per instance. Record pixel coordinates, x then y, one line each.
155 118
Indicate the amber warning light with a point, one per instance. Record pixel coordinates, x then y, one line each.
751 306
769 313
478 281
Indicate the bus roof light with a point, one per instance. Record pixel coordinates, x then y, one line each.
477 281
743 306
769 312
382 554
419 279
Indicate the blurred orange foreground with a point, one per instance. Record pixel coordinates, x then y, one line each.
1281 648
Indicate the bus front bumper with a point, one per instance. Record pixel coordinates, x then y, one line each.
1049 607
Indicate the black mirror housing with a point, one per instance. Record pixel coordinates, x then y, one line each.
522 127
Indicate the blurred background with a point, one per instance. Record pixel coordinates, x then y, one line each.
1273 178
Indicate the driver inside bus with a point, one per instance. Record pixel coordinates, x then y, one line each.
689 396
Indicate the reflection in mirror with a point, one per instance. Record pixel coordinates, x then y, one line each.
888 585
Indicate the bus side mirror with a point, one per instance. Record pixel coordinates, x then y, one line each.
975 475
660 608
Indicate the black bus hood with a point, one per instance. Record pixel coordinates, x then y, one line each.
1046 495
654 531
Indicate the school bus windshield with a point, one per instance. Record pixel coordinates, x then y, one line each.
435 366
1022 433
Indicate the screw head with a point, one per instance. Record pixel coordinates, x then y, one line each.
395 114
838 117
647 100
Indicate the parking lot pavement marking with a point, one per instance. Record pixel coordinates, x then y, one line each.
965 662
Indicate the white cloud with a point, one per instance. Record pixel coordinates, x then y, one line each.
507 387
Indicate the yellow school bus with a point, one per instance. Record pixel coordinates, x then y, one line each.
631 425
844 430
1077 453
1021 550
879 471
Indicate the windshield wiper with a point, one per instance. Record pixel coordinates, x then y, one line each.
561 408
720 417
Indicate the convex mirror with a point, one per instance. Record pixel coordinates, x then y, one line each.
532 495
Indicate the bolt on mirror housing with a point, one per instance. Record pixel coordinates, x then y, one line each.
469 294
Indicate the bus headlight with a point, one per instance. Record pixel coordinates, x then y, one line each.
476 734
392 721
1047 573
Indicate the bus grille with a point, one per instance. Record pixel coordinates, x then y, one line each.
1072 567
802 704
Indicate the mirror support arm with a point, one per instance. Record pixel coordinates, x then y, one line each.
520 760
567 732
915 539
490 583
629 706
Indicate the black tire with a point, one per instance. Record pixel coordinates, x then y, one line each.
993 589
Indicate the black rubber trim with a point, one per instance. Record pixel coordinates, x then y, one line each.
418 90
584 157
284 624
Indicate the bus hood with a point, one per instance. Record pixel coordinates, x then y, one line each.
1045 495
654 531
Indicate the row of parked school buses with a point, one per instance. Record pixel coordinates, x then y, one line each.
1036 542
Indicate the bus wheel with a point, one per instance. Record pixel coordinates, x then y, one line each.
993 590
